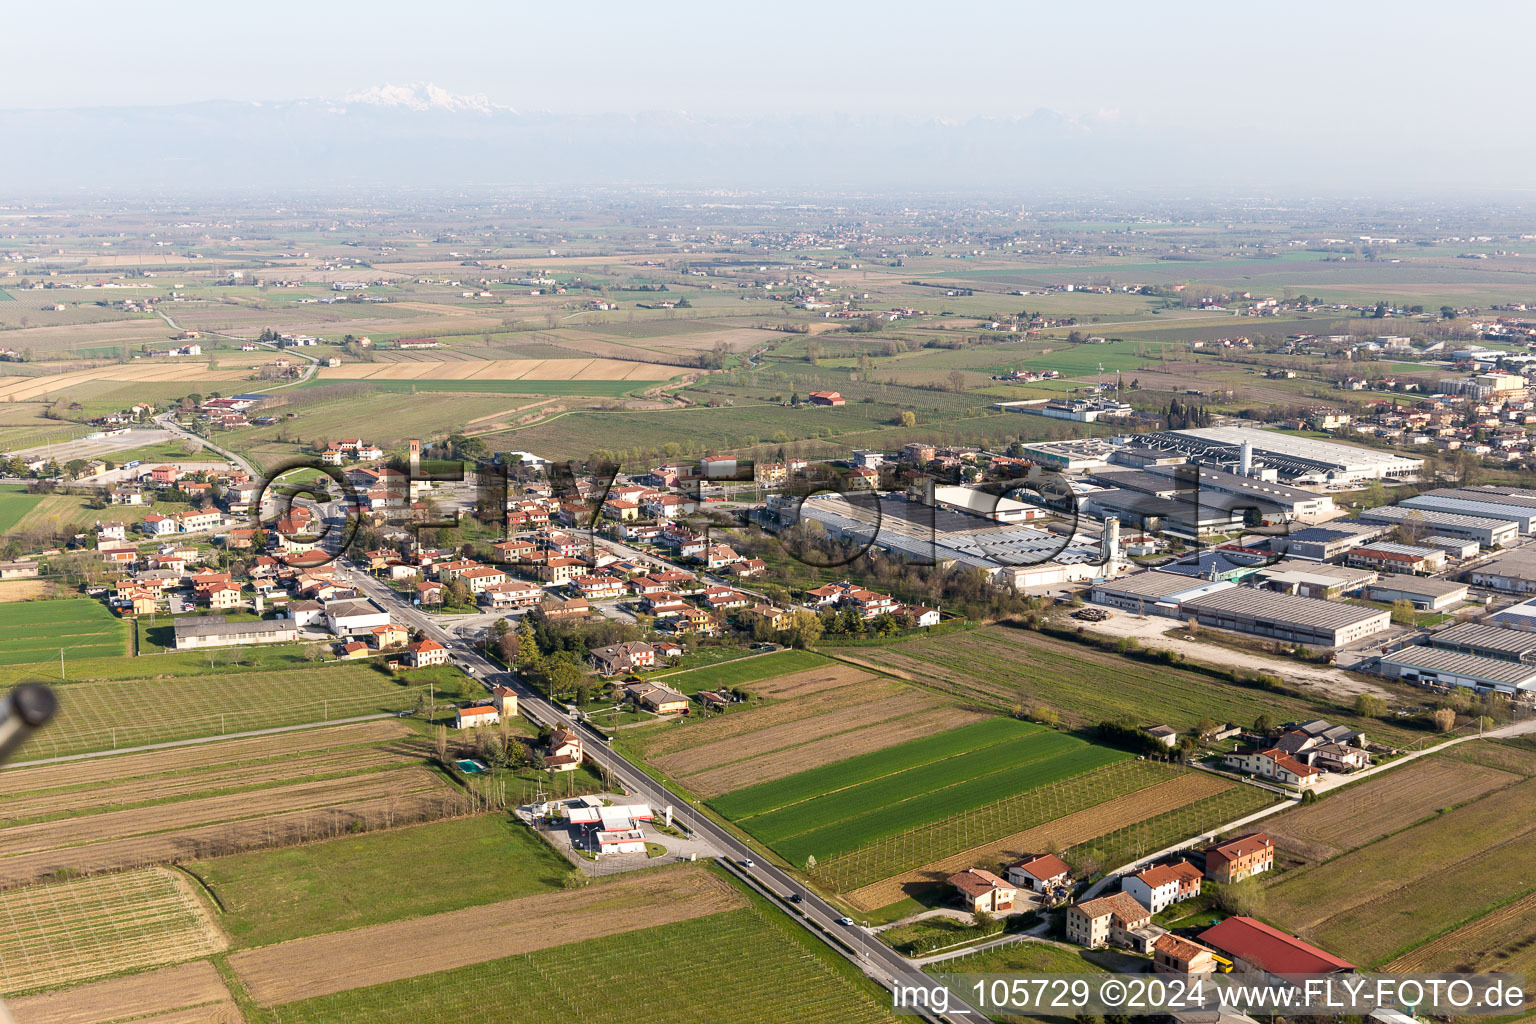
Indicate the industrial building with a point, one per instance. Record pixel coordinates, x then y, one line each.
1286 617
1486 641
1490 533
1154 592
1187 517
1292 457
1454 547
1325 543
1312 579
1294 502
1517 616
1433 666
1513 572
1523 517
1424 593
218 631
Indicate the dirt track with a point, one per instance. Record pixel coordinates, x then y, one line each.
153 997
305 968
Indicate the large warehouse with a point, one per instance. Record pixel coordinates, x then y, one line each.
1425 593
1513 572
1154 592
1293 457
1490 533
1522 515
1437 667
1287 617
1487 641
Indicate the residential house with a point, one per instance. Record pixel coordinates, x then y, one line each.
1163 885
480 714
1233 860
426 653
505 699
388 635
1274 764
657 698
618 659
1117 919
565 751
983 892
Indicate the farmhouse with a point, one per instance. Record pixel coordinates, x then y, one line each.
657 698
480 714
1256 948
216 631
1233 860
826 398
983 892
564 751
1039 874
1274 764
1116 919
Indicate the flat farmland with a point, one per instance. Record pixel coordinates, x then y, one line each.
852 771
845 819
114 713
326 964
70 931
189 994
1513 755
36 631
835 751
287 810
1004 666
754 961
1365 812
1498 941
22 389
15 503
1388 896
50 791
502 369
1083 809
776 668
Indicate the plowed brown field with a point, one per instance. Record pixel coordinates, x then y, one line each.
305 968
803 757
190 994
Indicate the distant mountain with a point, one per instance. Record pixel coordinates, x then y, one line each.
421 136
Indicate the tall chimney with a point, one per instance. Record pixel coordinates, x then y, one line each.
1247 459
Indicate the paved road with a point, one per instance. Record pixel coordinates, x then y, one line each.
873 957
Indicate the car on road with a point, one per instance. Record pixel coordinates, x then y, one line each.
749 864
794 897
846 922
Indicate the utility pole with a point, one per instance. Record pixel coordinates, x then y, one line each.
61 664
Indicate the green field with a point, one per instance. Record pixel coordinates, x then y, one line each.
273 895
904 851
855 816
741 671
748 966
15 502
35 631
1008 666
768 796
114 714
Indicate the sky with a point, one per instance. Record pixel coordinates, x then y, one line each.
1356 69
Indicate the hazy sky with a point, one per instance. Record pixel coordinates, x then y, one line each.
1360 68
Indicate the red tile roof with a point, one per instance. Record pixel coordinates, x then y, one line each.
1270 949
